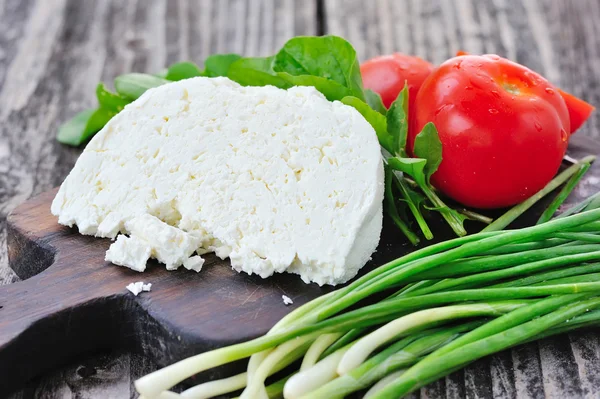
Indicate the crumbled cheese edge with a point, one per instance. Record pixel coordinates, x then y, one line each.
138 287
287 300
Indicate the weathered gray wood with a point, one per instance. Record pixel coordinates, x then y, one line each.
53 53
558 39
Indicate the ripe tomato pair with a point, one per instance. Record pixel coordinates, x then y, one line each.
504 128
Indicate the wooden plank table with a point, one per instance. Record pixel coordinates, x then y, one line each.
53 52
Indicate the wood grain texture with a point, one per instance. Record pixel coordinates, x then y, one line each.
72 302
53 52
558 39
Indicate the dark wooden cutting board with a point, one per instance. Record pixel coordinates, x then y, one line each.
72 302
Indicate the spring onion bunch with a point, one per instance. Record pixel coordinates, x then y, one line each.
447 305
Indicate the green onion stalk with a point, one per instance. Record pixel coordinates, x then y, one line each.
438 363
507 286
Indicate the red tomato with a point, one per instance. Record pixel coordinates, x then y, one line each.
387 74
504 129
579 110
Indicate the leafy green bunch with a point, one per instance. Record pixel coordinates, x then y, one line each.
329 64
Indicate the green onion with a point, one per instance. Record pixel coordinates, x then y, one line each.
551 275
237 382
317 348
360 351
518 210
480 279
310 379
564 193
428 371
478 265
348 337
384 382
592 202
528 283
401 354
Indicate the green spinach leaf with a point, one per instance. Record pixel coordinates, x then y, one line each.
133 85
83 126
330 89
329 57
109 100
428 146
256 71
374 118
219 64
214 65
182 70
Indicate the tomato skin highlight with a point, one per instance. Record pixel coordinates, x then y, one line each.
579 110
387 74
504 129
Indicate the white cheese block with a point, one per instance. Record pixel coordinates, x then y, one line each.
276 180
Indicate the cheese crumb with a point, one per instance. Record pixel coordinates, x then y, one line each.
287 300
130 252
194 263
137 287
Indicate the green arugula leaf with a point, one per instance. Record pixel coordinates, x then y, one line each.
329 57
219 64
445 209
475 216
374 118
397 122
182 70
133 85
455 220
413 196
392 209
429 147
83 126
109 100
414 167
414 200
256 71
374 100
